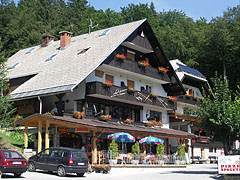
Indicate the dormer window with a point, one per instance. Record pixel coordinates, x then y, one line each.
29 51
15 65
50 58
82 51
104 32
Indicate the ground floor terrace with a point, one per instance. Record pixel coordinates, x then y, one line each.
66 131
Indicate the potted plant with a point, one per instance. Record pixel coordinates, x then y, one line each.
171 98
135 152
120 57
113 152
78 114
49 113
154 95
162 70
105 117
143 63
131 89
104 168
181 154
129 121
160 152
107 83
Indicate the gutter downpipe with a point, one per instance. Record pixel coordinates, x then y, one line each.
40 108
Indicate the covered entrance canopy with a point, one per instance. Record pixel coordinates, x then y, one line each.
45 121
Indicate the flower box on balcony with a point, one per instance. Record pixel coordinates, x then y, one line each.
105 117
143 63
16 119
129 121
78 114
120 57
107 83
154 123
153 95
131 89
171 98
162 70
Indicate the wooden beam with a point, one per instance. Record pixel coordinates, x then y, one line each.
94 158
26 136
47 135
39 148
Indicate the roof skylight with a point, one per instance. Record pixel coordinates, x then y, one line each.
50 58
30 50
15 65
104 32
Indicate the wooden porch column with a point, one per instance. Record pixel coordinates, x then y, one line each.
168 146
26 136
39 136
94 155
144 150
47 135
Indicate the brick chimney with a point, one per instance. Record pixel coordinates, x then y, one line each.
65 38
46 39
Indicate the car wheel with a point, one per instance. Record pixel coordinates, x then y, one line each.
17 175
61 171
80 174
31 167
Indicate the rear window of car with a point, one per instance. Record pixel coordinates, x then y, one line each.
12 155
79 155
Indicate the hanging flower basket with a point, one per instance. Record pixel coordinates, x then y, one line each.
171 98
129 121
107 83
104 168
153 95
143 63
162 70
105 117
131 89
120 57
49 113
78 114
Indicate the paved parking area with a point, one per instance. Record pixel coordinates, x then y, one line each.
192 172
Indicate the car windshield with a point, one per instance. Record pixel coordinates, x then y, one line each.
12 155
79 155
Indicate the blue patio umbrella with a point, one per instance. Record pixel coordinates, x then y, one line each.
121 137
151 140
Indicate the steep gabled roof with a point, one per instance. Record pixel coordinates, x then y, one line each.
61 70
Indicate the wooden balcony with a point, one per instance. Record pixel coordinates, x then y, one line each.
188 99
121 94
133 66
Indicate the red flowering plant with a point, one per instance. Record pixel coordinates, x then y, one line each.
131 89
171 98
120 57
153 123
16 119
162 70
49 113
108 83
154 95
105 117
143 63
78 114
129 121
105 168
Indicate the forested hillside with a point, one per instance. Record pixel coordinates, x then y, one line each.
207 46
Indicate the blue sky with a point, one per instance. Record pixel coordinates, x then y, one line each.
192 8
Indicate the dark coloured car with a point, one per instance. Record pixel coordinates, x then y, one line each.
12 162
60 159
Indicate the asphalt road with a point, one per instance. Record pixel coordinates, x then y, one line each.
192 172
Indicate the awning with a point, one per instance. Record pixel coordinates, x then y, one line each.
68 121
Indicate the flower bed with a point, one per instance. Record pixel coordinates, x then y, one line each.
171 98
78 114
153 123
129 121
120 57
49 113
105 117
143 63
104 168
107 83
162 70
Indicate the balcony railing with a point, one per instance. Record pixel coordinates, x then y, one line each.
122 93
133 66
188 99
